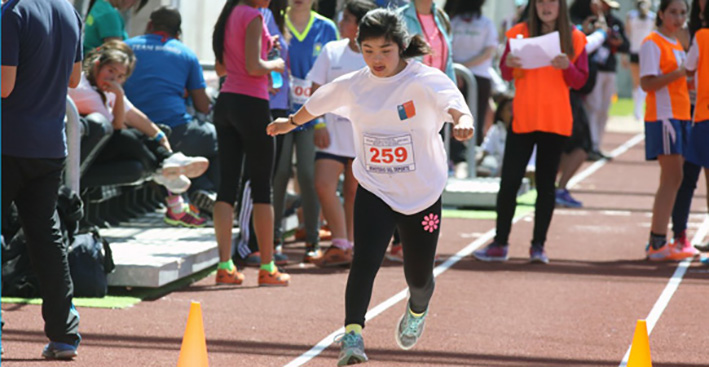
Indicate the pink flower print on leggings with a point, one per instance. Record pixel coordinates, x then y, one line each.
430 222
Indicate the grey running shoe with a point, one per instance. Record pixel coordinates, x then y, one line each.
351 349
56 350
409 329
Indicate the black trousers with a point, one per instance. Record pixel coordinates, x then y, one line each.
33 185
132 144
518 150
375 222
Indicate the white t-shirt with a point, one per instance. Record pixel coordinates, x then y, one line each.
692 58
470 37
639 28
396 121
335 60
494 142
88 100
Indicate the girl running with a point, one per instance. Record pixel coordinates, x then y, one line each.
240 115
310 32
542 117
667 119
335 142
397 107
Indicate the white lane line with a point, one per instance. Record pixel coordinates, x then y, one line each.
440 269
670 288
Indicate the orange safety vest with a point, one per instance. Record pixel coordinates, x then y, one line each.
541 100
672 100
701 109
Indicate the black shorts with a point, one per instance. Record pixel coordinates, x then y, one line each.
580 132
342 159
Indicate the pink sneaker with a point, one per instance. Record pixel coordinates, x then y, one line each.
683 249
188 218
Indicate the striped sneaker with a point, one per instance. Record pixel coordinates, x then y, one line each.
492 252
229 277
188 218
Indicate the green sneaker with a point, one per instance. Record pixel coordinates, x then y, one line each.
409 329
352 349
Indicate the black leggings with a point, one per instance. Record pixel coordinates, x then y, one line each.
241 132
372 235
132 144
518 150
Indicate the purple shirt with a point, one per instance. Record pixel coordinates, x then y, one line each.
279 101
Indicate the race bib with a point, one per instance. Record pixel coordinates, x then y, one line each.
300 90
393 154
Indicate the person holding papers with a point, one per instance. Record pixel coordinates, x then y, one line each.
542 117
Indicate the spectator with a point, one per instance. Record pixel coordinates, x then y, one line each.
240 115
639 23
335 142
166 73
598 102
542 117
41 51
667 120
134 135
474 45
104 22
310 32
493 147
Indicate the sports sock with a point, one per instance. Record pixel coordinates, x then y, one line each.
226 265
176 204
353 327
342 243
657 240
270 267
417 315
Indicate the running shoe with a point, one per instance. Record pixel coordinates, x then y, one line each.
180 164
229 277
275 279
564 199
667 252
334 256
396 253
409 329
313 253
538 255
279 258
188 218
683 248
493 252
56 350
175 184
351 349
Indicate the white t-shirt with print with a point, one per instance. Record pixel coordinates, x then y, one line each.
88 100
470 37
335 60
396 121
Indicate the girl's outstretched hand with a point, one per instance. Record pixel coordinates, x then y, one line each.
279 126
463 129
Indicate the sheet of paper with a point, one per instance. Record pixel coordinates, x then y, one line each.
536 52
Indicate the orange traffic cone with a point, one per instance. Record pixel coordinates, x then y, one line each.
640 349
193 352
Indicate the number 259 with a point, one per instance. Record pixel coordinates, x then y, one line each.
388 155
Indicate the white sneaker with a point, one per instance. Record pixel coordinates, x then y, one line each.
175 184
179 164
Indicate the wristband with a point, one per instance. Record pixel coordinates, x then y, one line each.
292 121
159 136
320 125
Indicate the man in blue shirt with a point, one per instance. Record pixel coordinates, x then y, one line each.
166 74
41 56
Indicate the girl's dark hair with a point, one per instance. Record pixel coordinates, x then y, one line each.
359 8
664 4
465 7
580 10
695 18
502 101
278 8
220 28
387 24
563 25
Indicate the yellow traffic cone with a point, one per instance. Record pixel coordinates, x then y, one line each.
640 349
193 352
